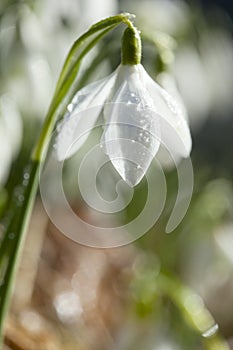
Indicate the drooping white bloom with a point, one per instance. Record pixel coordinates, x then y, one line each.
140 117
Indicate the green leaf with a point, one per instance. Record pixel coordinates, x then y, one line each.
18 216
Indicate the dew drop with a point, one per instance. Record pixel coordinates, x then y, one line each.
26 176
130 16
25 182
135 99
70 107
26 172
210 331
78 99
17 191
131 98
20 198
11 235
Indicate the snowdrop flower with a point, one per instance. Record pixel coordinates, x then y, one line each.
140 117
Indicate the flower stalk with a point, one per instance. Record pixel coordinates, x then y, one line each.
21 206
193 310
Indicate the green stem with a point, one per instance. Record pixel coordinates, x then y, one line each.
112 21
194 312
101 55
40 149
69 72
18 225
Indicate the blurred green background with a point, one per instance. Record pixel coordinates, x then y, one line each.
154 293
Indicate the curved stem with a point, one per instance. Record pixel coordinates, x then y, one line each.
194 312
17 241
69 72
111 21
40 149
15 231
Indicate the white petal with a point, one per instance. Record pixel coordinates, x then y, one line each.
168 83
175 133
131 137
81 116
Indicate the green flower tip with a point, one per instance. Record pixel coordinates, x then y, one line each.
131 46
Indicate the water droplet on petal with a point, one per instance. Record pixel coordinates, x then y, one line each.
78 99
130 98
